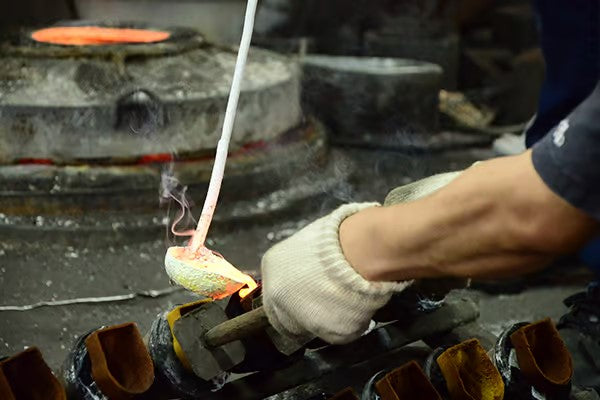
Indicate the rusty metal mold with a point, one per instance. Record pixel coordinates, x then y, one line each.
76 373
80 384
320 363
69 104
544 360
469 373
120 363
26 376
404 382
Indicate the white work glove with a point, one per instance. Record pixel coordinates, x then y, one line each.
309 288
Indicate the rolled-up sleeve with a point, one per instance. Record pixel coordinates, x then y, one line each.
568 158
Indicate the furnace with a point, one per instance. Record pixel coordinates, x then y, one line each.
94 113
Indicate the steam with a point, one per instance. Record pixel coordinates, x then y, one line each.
172 190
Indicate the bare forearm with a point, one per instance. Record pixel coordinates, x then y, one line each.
497 219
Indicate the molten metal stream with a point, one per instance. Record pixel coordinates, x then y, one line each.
196 252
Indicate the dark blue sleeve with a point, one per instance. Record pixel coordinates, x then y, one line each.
568 157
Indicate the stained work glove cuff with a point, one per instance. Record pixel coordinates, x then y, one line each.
311 289
335 263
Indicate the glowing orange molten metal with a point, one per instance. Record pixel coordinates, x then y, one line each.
207 273
96 35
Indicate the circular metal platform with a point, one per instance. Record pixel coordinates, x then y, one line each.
118 102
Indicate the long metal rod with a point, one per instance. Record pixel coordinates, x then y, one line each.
216 177
93 300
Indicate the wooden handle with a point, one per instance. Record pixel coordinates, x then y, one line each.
237 328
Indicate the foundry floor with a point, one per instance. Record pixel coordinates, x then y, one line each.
33 272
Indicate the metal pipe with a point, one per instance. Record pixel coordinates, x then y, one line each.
237 328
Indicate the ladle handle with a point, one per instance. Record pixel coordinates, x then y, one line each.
237 328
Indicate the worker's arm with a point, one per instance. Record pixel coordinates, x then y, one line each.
502 217
497 219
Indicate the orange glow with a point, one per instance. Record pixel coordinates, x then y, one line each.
155 158
96 35
246 291
39 161
214 263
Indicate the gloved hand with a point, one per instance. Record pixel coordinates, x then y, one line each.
310 289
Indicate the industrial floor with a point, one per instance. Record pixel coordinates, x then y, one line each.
44 270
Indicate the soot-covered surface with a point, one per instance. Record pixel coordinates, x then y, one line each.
43 270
